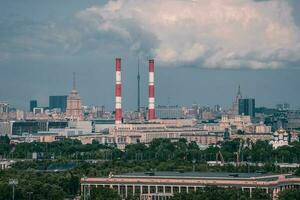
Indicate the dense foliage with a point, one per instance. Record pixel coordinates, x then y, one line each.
68 149
158 149
215 193
42 185
289 195
4 145
56 174
104 194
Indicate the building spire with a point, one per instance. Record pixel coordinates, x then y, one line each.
138 82
239 90
74 81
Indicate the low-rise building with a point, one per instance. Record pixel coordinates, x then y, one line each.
163 185
6 164
280 138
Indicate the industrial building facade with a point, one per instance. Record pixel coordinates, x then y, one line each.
163 185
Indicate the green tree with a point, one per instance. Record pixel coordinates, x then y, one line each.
104 194
289 195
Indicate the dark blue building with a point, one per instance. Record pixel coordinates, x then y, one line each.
58 102
33 104
247 107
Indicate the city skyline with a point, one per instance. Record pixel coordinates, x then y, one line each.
229 98
41 49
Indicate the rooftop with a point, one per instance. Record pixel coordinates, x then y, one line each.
197 175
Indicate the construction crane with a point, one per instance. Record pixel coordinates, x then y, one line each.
219 155
238 153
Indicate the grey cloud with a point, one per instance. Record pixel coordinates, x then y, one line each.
244 35
235 36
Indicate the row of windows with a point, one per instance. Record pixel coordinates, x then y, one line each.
124 190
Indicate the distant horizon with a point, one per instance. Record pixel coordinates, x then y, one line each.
111 107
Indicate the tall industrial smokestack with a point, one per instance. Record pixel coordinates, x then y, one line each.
151 107
118 93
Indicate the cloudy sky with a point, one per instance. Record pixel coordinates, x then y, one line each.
203 50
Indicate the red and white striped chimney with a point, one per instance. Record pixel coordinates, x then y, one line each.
151 107
118 93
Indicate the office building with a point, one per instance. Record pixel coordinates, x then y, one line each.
27 127
35 126
58 102
169 112
4 128
247 107
283 106
33 104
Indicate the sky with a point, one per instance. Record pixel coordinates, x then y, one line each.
202 49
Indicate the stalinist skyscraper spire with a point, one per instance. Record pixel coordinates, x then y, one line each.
74 110
235 107
74 81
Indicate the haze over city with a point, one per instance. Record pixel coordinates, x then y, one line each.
203 51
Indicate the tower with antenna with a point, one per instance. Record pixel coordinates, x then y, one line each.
138 87
74 110
74 81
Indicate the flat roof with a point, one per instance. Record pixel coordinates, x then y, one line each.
208 175
196 179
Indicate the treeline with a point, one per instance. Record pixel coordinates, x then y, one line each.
65 149
215 193
158 149
160 155
39 185
165 149
34 177
207 193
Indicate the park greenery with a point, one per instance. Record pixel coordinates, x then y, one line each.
56 172
207 193
215 193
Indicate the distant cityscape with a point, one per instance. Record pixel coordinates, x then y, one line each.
65 118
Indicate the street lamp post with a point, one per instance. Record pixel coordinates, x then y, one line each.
29 195
13 182
194 161
84 189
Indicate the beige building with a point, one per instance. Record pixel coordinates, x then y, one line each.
74 110
163 185
125 134
253 137
239 121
